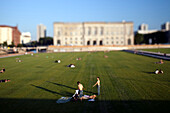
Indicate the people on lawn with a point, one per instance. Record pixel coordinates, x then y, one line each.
78 58
58 61
2 70
160 62
158 71
5 80
71 65
76 97
80 88
98 85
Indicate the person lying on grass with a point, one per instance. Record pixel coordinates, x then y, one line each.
77 96
5 80
160 62
3 70
71 65
57 61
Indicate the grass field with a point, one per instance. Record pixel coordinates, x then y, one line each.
127 83
162 50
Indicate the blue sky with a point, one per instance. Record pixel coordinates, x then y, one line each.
27 14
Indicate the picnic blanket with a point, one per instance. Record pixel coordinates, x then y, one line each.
63 100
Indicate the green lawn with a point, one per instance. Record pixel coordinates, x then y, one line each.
162 50
127 83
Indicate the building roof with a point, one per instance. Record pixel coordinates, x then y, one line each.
93 22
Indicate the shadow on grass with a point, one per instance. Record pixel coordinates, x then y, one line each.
148 72
89 92
54 92
12 105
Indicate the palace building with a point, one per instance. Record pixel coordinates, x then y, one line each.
93 33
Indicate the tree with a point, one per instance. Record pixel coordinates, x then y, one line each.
5 44
12 45
19 45
46 41
34 43
139 38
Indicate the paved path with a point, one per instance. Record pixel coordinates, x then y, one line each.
10 55
150 54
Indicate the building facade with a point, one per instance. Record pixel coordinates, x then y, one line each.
41 31
25 37
166 26
93 33
9 34
143 29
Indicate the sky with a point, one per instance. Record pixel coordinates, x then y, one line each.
27 14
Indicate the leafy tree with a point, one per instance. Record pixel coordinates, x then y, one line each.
34 43
46 41
139 38
5 44
19 45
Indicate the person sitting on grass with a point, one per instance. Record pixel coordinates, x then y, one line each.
6 80
3 70
160 62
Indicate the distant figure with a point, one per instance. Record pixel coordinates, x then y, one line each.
158 71
32 54
6 80
160 62
80 88
57 61
18 60
78 58
71 65
98 85
2 70
105 56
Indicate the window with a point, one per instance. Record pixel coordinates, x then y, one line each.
129 41
112 42
107 42
117 37
102 30
88 42
70 38
58 33
117 42
58 42
94 42
112 38
95 31
65 38
101 42
89 31
76 38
